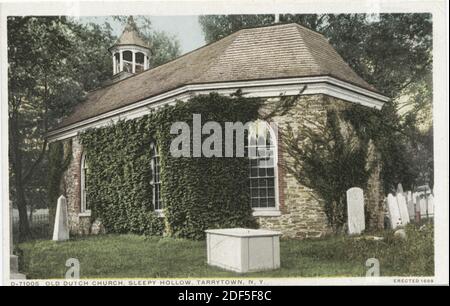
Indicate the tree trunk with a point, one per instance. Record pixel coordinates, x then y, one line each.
24 227
16 165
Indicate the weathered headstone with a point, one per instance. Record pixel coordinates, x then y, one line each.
61 229
394 212
430 206
403 209
355 210
416 198
399 188
423 207
410 204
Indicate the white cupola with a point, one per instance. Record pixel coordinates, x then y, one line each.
130 53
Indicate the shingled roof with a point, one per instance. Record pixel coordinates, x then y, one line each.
271 52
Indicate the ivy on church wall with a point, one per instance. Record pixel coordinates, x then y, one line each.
198 193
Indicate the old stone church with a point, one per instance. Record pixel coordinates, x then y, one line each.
263 62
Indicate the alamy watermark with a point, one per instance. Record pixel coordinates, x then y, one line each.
74 268
254 139
373 266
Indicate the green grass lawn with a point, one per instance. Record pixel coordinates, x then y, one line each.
132 256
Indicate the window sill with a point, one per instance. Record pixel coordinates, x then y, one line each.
85 214
266 213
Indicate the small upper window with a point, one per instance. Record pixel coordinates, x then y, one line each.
127 56
139 58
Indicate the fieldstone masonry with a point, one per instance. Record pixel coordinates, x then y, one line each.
302 214
79 224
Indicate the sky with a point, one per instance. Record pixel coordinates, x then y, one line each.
185 28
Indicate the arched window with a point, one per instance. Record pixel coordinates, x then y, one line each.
262 154
83 190
156 179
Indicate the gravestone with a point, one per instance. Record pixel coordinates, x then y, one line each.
61 229
355 210
430 206
423 207
403 209
394 212
399 188
410 204
416 198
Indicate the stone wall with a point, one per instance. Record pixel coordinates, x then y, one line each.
302 215
71 186
302 211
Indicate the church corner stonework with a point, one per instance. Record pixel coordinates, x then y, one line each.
71 185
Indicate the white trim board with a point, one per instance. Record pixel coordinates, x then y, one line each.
260 88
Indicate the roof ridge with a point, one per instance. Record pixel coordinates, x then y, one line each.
217 58
341 60
305 43
308 29
280 24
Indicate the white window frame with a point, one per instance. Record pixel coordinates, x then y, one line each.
84 212
269 211
155 154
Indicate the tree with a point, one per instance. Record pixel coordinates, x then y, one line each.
53 62
29 99
216 27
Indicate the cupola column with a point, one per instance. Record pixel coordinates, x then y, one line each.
114 63
121 61
134 61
